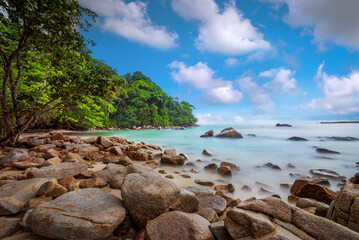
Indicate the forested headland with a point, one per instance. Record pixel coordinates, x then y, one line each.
50 80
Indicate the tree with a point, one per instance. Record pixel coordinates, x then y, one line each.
45 62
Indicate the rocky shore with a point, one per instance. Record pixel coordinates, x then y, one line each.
54 186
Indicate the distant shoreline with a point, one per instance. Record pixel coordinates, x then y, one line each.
339 122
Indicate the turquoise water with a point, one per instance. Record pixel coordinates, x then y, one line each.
269 145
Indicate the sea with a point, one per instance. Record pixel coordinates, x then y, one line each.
260 144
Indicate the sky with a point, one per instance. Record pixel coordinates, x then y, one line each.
238 61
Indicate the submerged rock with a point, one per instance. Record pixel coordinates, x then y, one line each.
272 166
283 125
297 139
229 133
207 153
84 214
324 150
326 173
204 182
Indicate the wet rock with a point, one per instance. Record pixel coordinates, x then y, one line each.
173 160
225 171
324 150
185 176
307 189
326 173
228 187
321 208
289 165
217 203
51 188
231 165
283 125
208 134
220 231
15 155
169 176
146 196
179 225
208 213
191 164
229 133
265 191
207 153
84 214
251 135
272 166
246 188
286 185
198 190
242 223
297 139
14 196
211 166
355 179
9 226
69 183
59 171
204 182
315 179
347 139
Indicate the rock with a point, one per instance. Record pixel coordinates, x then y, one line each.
271 206
286 185
169 176
198 190
57 136
204 182
217 203
231 202
191 164
33 142
315 179
321 207
272 166
51 188
211 166
73 157
106 174
52 161
246 188
231 165
251 135
171 152
9 226
146 196
208 134
220 231
326 173
116 151
283 125
173 160
15 155
355 179
179 225
185 156
185 176
208 213
347 139
307 189
84 175
297 139
225 171
345 208
84 214
103 141
289 165
324 150
228 188
137 168
37 201
29 163
229 133
93 183
51 153
117 180
14 196
207 153
59 171
69 183
242 223
125 161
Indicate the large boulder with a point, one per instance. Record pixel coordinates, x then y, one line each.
173 159
84 214
306 189
229 133
217 203
62 170
15 155
9 226
208 134
179 225
146 196
29 163
14 196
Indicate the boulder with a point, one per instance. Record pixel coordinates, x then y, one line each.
179 225
52 161
208 134
9 226
272 166
137 168
106 174
29 163
51 153
59 171
242 223
14 196
326 173
116 151
117 180
307 189
231 165
229 133
51 188
211 166
84 214
33 141
283 125
355 179
209 214
204 182
57 136
84 175
220 231
324 150
315 179
225 171
103 141
69 183
170 151
297 139
173 160
321 208
93 183
217 203
207 153
15 155
146 196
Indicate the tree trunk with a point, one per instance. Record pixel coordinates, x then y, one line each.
11 138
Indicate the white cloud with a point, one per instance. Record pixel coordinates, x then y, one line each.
200 76
209 119
231 62
131 21
237 119
341 93
282 80
328 20
226 31
258 96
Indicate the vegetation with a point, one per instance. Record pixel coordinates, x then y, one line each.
49 79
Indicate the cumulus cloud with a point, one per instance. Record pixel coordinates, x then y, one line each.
282 80
327 20
209 119
131 21
201 77
231 62
226 31
341 93
237 119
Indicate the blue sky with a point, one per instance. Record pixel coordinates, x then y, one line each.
241 61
